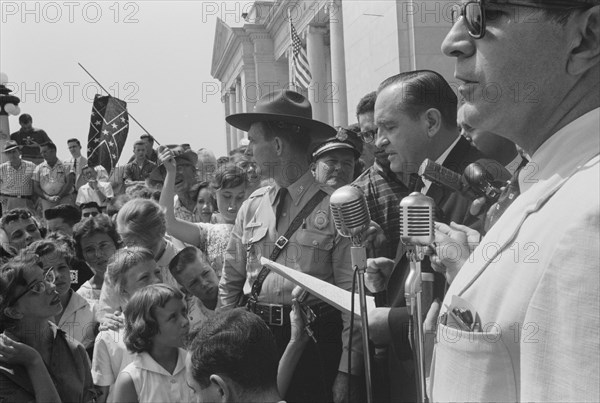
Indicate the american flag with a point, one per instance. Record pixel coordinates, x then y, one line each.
108 131
300 68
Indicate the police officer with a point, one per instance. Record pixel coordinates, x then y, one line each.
335 160
280 132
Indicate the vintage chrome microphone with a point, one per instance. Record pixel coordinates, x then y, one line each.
351 218
416 231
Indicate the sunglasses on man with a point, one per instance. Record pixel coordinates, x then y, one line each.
475 15
90 214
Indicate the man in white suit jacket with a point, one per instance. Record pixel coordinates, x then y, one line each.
532 284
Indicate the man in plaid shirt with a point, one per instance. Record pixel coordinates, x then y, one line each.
382 188
16 186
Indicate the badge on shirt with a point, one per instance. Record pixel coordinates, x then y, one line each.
321 219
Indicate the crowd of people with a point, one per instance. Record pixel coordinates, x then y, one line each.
146 283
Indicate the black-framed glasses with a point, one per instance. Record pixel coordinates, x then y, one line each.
368 136
475 15
38 287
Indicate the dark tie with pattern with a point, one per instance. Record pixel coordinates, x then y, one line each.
508 195
415 183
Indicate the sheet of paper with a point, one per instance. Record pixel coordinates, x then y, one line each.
333 295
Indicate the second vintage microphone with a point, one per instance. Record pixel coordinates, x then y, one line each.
351 217
416 231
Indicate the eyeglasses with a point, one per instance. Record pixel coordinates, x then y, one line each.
90 214
368 136
39 286
475 16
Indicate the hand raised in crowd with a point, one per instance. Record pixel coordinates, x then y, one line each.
378 273
167 158
112 321
14 353
454 244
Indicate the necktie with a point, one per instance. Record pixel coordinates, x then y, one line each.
76 175
415 183
281 195
508 195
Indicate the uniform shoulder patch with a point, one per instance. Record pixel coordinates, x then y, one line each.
260 192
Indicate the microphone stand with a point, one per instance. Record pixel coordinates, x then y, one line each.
359 263
413 292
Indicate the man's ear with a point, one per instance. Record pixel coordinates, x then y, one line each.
313 168
278 146
13 313
224 388
584 31
432 118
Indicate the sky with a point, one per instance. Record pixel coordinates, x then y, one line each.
155 55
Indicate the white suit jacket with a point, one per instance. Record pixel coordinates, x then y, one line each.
534 282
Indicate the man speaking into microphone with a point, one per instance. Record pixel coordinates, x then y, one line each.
533 282
415 113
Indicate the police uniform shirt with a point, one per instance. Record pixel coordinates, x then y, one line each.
315 248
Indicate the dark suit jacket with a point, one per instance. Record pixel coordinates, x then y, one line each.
450 206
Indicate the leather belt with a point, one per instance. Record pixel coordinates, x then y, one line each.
16 196
273 314
279 314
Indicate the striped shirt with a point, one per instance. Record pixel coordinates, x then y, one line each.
17 182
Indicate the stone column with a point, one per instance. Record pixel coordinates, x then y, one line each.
228 127
315 49
338 64
239 92
232 109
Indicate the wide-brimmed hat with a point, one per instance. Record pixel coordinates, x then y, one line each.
184 155
344 139
284 106
11 145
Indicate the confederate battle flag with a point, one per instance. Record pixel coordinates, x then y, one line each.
108 131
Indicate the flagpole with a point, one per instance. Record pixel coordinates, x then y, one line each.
130 115
291 52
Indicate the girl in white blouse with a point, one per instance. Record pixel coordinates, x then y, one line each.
156 329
